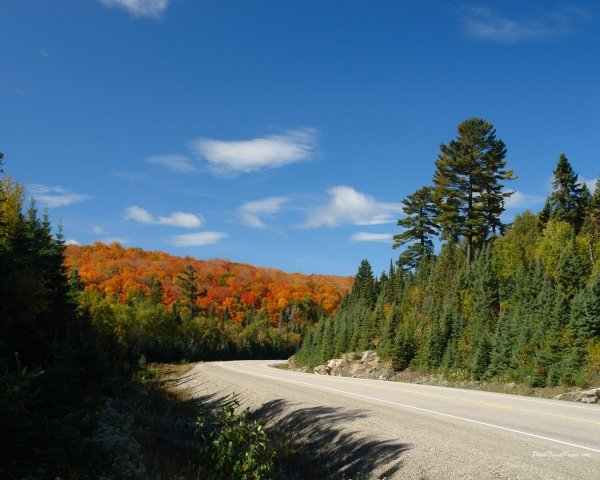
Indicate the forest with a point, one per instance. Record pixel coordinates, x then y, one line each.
470 297
170 308
516 302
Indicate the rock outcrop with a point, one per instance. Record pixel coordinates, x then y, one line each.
588 396
365 365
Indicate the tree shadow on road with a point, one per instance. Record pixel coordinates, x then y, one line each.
313 442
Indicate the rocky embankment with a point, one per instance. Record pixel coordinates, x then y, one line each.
359 365
369 365
588 396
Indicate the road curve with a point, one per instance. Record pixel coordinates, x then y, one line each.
427 431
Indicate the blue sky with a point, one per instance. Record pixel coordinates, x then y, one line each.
282 133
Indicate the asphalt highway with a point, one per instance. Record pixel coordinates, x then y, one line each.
401 430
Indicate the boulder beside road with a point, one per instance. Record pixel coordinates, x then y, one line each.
359 365
588 396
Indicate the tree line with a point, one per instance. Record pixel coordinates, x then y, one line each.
168 308
518 302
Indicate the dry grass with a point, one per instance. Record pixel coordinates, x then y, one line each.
164 425
173 371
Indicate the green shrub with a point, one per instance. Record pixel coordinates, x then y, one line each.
144 372
237 448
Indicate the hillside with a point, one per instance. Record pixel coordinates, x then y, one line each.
223 286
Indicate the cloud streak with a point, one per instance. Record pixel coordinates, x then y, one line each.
175 219
52 197
348 206
198 239
372 237
523 201
481 23
140 8
175 162
245 156
250 213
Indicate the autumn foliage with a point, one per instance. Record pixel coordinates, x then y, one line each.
224 288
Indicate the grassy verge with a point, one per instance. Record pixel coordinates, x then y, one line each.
164 423
456 381
460 379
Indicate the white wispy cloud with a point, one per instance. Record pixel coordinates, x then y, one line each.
481 23
140 8
348 206
245 156
250 213
71 241
175 162
52 197
175 219
97 229
372 237
197 239
524 200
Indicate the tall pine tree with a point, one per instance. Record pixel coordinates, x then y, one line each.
469 184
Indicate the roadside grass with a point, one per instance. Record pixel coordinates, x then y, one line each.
461 379
281 366
455 380
165 423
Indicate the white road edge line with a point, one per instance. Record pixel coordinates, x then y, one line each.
456 391
442 414
543 401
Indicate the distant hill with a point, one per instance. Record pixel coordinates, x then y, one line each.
223 286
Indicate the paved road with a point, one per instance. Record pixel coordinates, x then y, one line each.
400 430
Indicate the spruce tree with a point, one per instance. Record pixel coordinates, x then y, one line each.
327 343
585 319
567 201
389 332
403 350
364 289
343 335
592 222
419 228
187 281
501 350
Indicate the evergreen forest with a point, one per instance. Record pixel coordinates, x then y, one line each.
516 302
